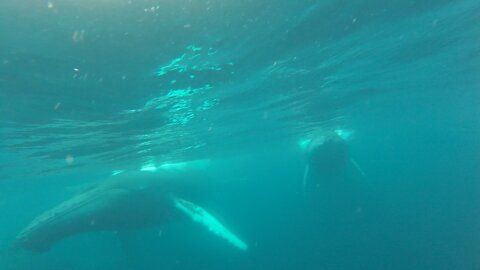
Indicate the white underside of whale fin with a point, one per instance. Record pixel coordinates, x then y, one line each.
305 178
200 215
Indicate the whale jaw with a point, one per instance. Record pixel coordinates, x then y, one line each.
99 209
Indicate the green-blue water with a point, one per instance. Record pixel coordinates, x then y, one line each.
88 87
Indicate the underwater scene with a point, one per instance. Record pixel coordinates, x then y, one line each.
222 134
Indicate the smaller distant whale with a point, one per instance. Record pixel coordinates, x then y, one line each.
127 201
328 160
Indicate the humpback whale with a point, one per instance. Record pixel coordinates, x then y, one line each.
127 201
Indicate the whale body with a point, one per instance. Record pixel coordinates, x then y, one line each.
126 201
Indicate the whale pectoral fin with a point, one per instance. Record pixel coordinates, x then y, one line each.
306 173
200 215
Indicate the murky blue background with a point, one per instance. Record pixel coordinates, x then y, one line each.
87 87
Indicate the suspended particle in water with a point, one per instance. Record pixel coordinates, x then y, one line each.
78 36
69 159
57 105
52 7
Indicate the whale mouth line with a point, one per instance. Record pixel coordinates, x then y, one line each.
58 212
35 237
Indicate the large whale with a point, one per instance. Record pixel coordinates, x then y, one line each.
127 201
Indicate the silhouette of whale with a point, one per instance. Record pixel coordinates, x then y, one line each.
127 201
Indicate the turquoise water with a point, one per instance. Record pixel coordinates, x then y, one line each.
92 87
